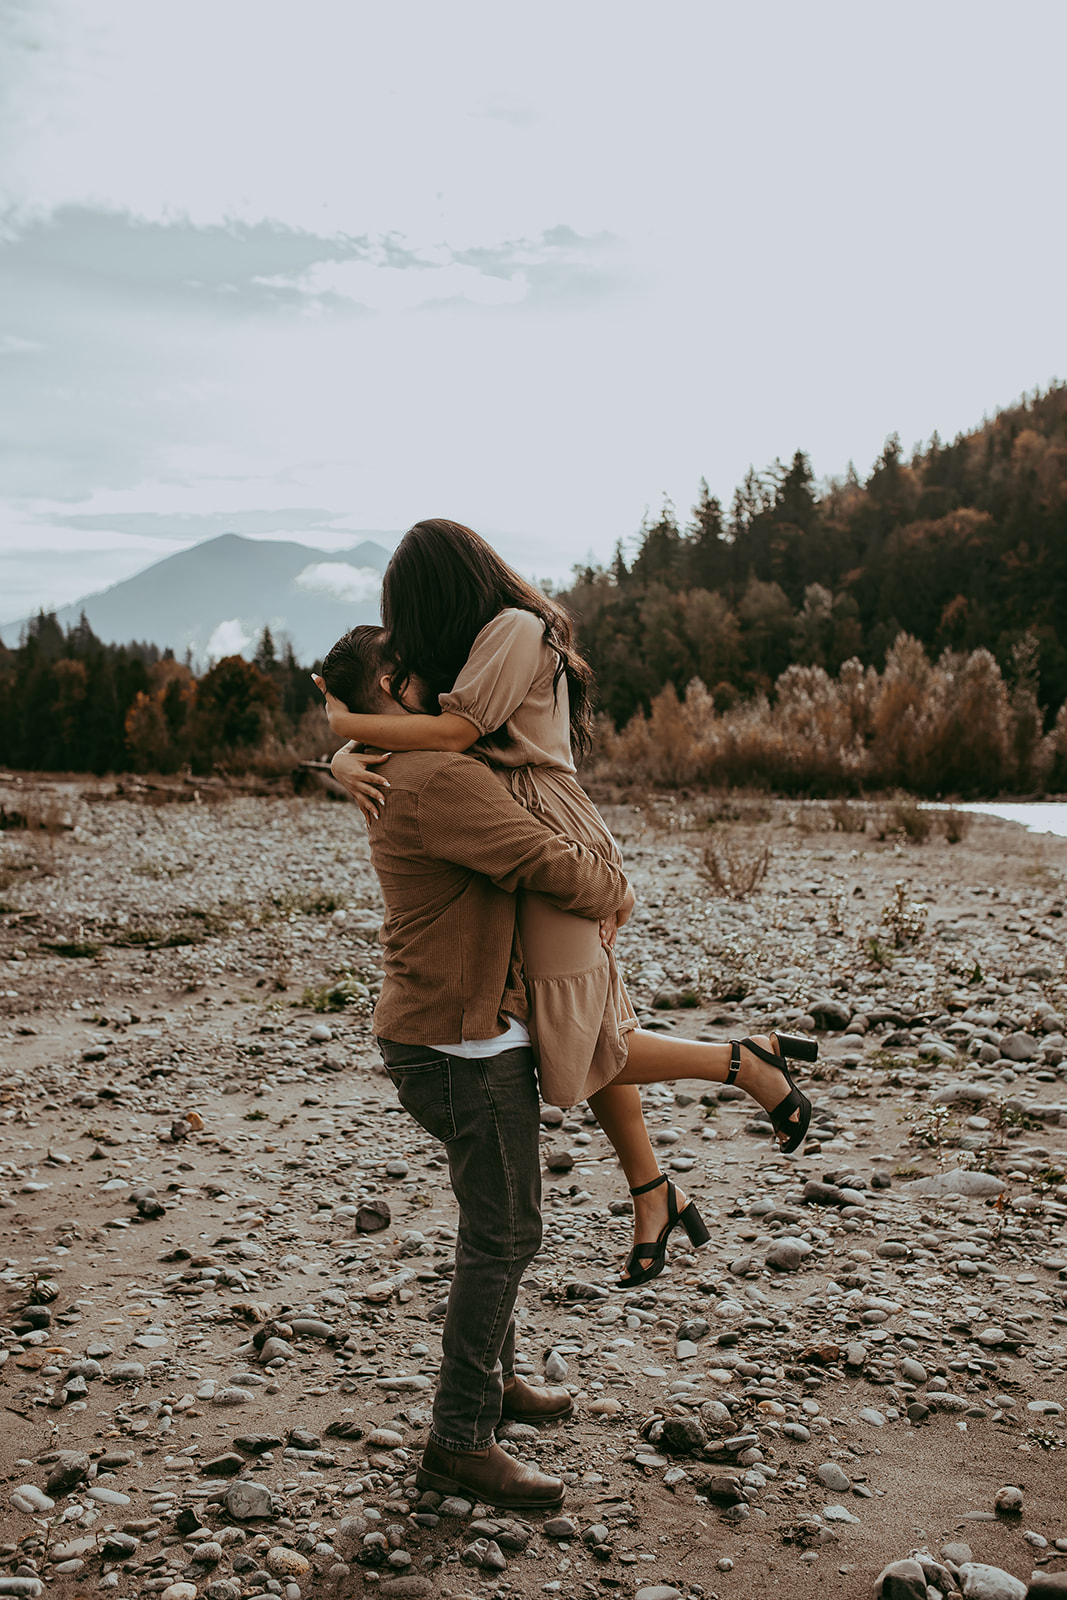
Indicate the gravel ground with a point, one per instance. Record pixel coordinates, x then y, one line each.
195 1160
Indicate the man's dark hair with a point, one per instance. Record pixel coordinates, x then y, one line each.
353 667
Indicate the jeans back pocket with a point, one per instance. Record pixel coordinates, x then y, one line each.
424 1089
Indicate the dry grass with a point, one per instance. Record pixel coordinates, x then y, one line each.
734 869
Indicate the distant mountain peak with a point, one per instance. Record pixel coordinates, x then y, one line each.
228 588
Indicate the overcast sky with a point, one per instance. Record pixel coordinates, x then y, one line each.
301 269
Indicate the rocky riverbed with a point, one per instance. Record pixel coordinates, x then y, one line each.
225 1251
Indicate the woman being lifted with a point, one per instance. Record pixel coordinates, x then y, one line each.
496 654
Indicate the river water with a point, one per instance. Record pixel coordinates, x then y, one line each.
1040 816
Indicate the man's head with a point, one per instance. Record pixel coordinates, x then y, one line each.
356 672
353 670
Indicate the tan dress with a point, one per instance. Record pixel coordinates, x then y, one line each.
580 1011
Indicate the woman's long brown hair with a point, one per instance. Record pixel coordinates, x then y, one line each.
443 584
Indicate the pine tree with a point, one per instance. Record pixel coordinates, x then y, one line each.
265 657
707 546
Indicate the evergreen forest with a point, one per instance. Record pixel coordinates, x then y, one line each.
960 546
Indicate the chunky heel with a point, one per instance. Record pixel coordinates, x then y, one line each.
693 1223
797 1049
655 1250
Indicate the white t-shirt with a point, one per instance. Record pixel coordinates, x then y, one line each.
517 1036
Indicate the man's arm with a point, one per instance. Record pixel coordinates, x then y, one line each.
467 816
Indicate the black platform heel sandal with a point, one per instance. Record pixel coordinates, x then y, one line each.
791 1117
655 1252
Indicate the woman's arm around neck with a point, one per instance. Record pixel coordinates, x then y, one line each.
404 731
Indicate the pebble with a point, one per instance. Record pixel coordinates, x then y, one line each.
107 1497
225 1466
372 1216
455 1506
901 1580
179 1591
126 1372
786 1255
982 1582
384 1439
833 1477
28 1498
1009 1499
286 1563
957 1553
245 1500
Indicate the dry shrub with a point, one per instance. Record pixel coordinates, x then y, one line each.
955 823
744 808
949 727
38 811
906 817
848 818
905 919
733 869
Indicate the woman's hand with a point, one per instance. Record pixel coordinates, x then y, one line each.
353 774
334 708
609 927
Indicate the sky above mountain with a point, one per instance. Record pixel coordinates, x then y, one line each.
300 272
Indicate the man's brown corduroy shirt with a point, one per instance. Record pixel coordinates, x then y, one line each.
451 848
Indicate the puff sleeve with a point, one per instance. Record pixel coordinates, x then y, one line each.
507 658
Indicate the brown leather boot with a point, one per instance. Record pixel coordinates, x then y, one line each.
490 1475
523 1403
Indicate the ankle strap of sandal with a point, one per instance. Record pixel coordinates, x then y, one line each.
645 1187
735 1061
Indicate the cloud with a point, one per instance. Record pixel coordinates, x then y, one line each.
136 351
113 252
268 267
519 116
228 639
340 581
196 526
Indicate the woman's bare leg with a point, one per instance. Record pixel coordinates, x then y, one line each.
654 1058
657 1058
617 1108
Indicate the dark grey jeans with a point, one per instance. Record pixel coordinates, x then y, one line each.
487 1115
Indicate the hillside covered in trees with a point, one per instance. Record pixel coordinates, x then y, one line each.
905 630
963 545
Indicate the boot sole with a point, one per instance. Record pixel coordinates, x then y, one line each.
443 1485
536 1416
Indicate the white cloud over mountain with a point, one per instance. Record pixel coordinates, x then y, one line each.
341 580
